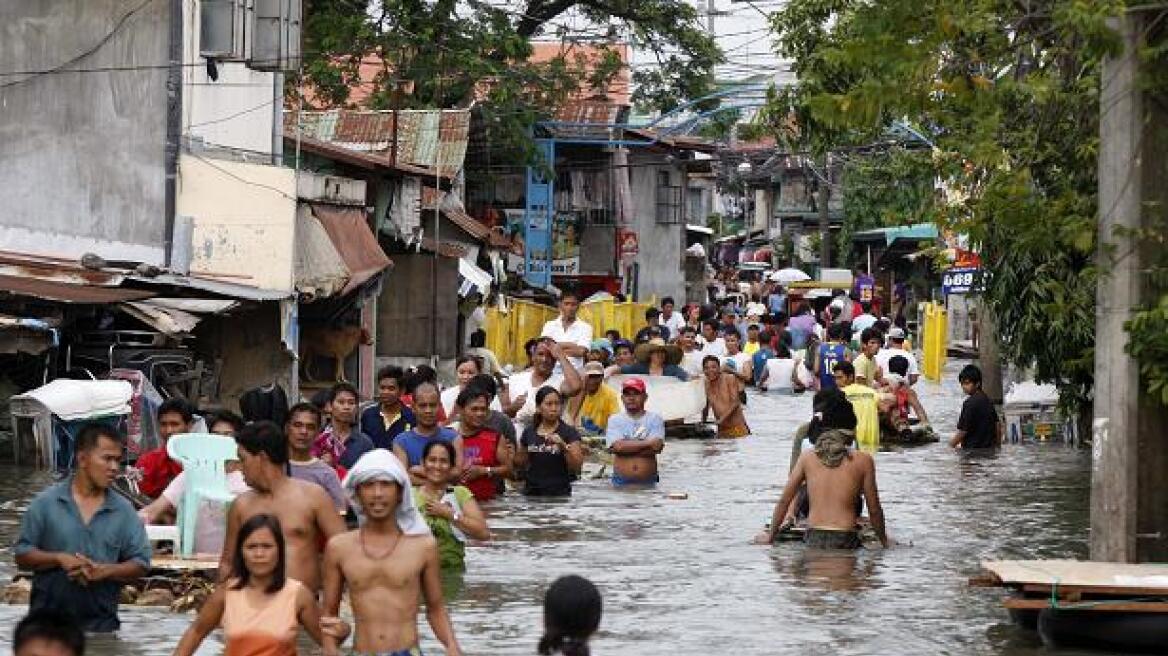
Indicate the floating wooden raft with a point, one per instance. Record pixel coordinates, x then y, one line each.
1077 584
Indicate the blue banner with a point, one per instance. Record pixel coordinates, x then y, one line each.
537 221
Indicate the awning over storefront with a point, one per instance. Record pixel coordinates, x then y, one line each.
354 241
918 232
320 270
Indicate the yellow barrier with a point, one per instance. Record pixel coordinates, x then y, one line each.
936 328
508 331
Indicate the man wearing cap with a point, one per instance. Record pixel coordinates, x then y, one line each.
590 411
600 351
635 437
894 348
730 321
653 327
656 358
383 591
622 353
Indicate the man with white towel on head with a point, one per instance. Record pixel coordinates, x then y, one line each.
388 562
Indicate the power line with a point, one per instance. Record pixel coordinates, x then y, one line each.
97 46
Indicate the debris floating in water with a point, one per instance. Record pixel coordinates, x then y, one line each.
677 495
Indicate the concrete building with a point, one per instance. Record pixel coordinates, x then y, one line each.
143 142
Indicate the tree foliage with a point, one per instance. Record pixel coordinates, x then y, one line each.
446 53
885 187
1009 94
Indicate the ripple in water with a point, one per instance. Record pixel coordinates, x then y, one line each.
681 578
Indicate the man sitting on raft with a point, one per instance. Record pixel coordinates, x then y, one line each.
835 475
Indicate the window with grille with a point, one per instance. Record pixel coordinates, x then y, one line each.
668 199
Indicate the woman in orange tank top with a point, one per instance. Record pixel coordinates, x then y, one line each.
261 611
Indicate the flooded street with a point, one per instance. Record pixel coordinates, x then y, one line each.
680 577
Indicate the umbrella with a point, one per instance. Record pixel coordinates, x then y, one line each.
787 276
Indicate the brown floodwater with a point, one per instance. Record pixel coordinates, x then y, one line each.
680 577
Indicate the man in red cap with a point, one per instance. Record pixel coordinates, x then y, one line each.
635 437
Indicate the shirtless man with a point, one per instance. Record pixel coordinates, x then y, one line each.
635 437
388 563
835 475
723 391
305 511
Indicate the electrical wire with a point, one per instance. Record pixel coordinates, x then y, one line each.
97 46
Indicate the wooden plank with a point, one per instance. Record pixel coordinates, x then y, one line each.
1081 574
1070 590
174 563
1094 606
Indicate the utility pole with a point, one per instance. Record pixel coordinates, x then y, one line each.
1129 502
824 219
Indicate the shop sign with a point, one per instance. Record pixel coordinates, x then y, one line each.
961 280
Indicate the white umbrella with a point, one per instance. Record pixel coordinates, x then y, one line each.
787 276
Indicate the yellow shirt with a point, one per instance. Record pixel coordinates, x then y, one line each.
865 368
863 400
750 348
598 407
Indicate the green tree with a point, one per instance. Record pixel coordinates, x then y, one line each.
444 53
886 187
1009 93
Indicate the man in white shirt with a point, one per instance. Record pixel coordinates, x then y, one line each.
691 359
713 344
670 319
573 336
865 320
894 348
518 397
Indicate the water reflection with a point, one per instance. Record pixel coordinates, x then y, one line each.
680 576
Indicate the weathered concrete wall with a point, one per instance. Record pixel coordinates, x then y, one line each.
82 154
598 250
405 308
659 259
244 218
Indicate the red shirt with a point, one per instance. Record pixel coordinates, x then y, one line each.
158 470
481 449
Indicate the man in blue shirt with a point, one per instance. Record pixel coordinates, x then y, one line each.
409 446
82 540
635 437
389 418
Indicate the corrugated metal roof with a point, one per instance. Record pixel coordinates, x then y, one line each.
467 223
597 118
431 138
346 155
57 269
69 293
